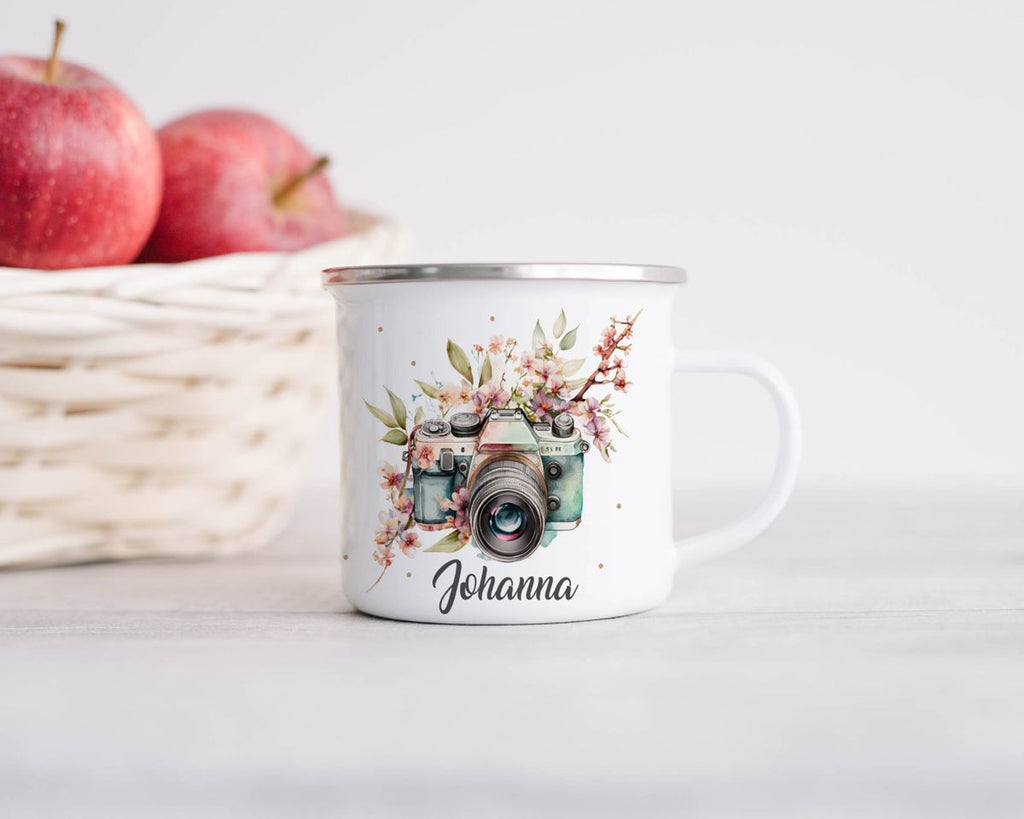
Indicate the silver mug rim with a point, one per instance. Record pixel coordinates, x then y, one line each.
534 271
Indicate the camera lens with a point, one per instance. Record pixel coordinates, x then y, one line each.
507 521
507 509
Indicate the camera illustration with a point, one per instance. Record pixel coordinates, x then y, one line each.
523 478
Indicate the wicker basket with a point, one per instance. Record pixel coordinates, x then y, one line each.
163 409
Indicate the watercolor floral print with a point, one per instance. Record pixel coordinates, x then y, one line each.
540 379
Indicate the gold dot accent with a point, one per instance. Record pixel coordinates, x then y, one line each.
618 506
344 557
408 574
413 362
380 329
600 565
492 318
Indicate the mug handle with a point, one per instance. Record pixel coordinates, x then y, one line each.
738 533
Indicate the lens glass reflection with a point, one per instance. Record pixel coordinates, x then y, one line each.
507 521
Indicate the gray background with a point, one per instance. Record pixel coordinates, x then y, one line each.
842 180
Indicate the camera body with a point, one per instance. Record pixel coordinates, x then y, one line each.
523 478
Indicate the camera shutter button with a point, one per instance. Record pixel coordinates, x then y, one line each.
562 426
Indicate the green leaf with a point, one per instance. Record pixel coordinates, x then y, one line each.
382 416
417 419
457 356
569 339
429 390
485 371
538 336
576 383
559 327
573 367
616 425
395 436
448 544
397 409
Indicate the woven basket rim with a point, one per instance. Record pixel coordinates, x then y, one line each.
218 293
360 222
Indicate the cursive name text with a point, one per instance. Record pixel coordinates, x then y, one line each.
487 587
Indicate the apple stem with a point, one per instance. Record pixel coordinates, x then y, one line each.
289 187
51 64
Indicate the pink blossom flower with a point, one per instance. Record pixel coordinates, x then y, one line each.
527 362
409 543
447 395
599 429
606 346
477 349
488 396
496 345
403 503
555 385
545 406
546 369
454 394
620 382
425 456
391 477
459 504
389 527
384 556
586 409
460 523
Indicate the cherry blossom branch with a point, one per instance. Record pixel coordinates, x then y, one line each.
401 490
602 367
379 578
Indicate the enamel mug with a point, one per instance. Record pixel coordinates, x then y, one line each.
503 440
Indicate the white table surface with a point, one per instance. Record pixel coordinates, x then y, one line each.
864 658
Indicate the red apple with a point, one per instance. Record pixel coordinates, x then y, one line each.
237 181
80 175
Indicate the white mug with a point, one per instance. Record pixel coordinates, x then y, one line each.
503 441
